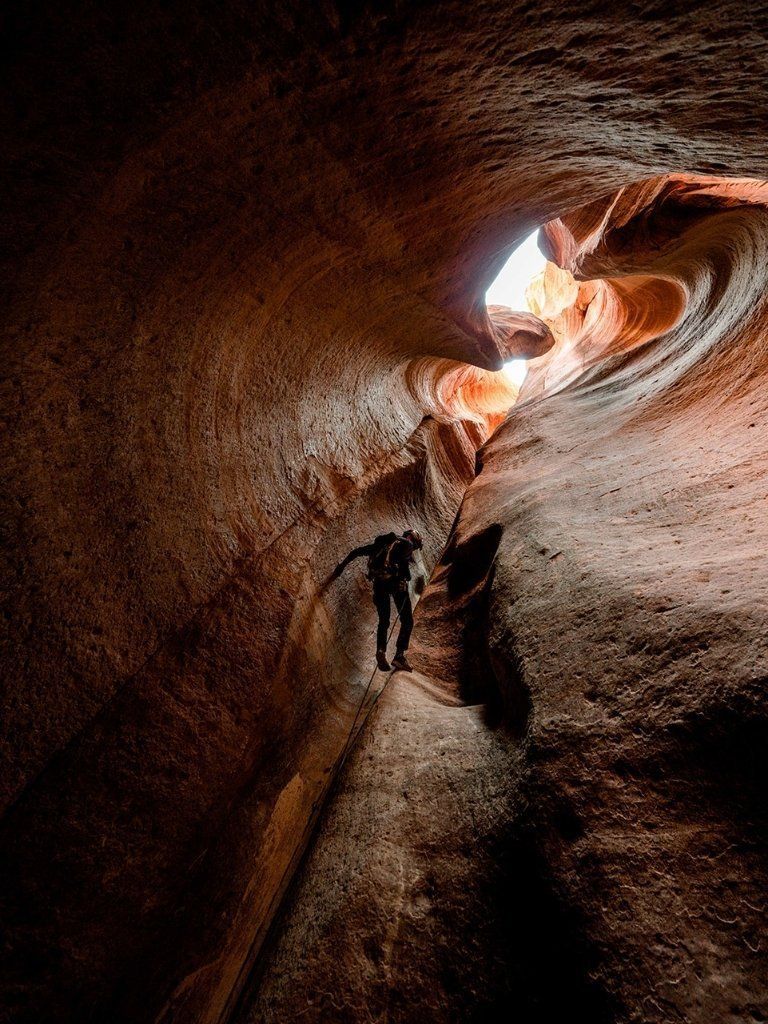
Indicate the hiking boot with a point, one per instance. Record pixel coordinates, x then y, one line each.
381 660
401 663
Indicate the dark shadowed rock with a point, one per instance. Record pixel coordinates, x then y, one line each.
243 265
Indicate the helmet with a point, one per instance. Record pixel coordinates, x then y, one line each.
415 538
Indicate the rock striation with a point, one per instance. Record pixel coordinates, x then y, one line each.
244 259
571 788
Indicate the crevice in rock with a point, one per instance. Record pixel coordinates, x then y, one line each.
485 676
245 259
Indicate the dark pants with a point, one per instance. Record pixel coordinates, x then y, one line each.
383 590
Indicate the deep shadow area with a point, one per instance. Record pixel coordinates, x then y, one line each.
546 969
245 248
485 676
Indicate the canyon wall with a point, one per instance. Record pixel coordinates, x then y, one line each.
562 813
244 259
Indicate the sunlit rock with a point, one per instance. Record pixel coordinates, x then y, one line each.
245 254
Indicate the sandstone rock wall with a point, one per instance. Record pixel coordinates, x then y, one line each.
245 251
562 813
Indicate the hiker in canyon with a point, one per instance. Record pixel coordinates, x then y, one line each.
389 569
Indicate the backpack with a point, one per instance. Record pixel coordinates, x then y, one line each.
381 565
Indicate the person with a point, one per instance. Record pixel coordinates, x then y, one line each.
389 569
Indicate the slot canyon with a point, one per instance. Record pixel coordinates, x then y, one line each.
245 254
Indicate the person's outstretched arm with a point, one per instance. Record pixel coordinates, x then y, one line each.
364 549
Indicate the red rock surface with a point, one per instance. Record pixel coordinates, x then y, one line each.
245 253
563 814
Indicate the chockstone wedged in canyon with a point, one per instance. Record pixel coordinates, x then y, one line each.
244 264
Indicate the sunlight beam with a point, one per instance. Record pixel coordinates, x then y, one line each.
510 287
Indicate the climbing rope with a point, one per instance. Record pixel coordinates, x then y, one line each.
339 763
239 990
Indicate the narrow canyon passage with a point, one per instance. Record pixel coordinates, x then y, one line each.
598 820
245 259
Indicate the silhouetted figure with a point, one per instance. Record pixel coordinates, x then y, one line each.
389 568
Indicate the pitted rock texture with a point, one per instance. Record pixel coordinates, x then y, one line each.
244 258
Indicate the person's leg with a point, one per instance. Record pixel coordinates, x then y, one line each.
404 610
381 600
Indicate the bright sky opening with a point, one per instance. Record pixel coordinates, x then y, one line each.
509 290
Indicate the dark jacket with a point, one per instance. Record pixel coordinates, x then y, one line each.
401 555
